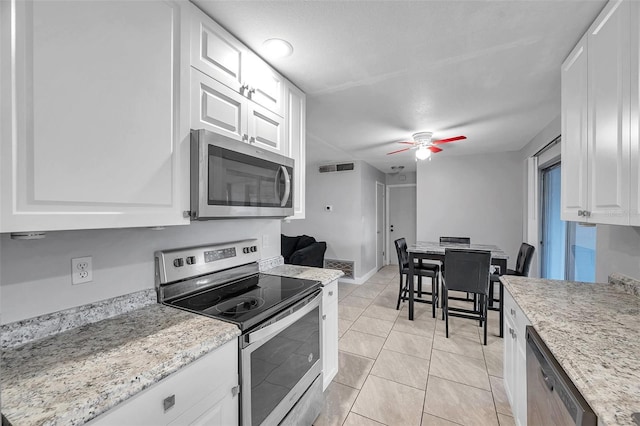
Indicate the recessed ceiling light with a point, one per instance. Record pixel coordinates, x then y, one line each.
277 48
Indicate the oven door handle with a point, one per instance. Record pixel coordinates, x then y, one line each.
280 325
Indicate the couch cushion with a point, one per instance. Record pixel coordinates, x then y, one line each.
287 246
304 241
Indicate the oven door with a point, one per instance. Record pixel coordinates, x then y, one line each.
232 179
279 361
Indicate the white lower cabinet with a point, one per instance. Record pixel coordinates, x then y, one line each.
329 333
515 363
203 393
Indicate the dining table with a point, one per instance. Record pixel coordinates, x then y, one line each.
434 251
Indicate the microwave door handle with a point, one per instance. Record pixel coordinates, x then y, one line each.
276 181
287 186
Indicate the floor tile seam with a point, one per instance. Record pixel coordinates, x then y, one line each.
464 384
495 405
361 415
360 355
447 420
466 356
426 386
399 383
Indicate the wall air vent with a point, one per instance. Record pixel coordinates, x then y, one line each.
340 167
345 266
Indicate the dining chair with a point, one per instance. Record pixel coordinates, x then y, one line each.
468 271
420 270
523 263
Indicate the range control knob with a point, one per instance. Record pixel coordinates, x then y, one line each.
245 250
254 249
178 262
191 260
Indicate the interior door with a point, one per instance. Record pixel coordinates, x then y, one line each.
379 225
402 217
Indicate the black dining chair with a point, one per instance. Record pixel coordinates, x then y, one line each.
467 271
523 263
456 240
420 270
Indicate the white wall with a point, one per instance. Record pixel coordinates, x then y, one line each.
400 178
476 196
35 275
617 250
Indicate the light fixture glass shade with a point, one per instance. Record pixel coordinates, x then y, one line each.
423 153
277 48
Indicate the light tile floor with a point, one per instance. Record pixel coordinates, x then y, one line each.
393 371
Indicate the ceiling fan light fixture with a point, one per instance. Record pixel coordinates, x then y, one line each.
277 48
423 153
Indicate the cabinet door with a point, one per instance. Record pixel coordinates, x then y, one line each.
266 129
329 333
95 134
509 361
608 109
296 141
266 85
218 108
215 52
574 133
634 184
520 382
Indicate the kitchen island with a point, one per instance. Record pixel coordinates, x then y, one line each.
593 330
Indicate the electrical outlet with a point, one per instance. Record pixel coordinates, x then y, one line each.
81 270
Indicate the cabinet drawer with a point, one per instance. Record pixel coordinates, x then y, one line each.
212 376
330 295
515 315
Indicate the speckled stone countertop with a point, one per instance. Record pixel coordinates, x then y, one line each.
74 376
325 276
593 330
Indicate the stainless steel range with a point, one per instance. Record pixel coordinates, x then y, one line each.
279 317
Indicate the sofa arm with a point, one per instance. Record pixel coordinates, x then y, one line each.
312 255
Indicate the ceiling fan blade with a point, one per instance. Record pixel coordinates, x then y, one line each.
434 149
409 143
457 138
400 150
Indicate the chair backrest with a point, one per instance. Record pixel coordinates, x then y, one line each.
467 270
456 240
403 256
523 262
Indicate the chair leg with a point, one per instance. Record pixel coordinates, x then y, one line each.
434 296
486 320
491 294
399 294
445 312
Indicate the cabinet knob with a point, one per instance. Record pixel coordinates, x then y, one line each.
513 312
169 402
324 316
331 293
245 137
579 212
244 87
586 213
252 90
235 390
252 139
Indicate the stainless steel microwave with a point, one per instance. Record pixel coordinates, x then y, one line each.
235 179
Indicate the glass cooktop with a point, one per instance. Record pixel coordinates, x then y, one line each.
248 301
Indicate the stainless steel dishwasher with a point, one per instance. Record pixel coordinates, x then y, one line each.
552 399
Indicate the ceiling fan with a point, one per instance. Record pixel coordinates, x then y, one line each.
425 145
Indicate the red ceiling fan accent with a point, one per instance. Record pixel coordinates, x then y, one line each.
424 139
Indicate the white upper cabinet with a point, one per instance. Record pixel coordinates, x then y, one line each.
634 183
218 54
574 132
94 114
596 121
296 125
608 108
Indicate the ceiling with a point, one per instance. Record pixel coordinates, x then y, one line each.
375 72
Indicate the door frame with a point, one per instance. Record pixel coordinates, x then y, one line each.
386 225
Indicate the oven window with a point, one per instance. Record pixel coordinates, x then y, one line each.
280 363
237 179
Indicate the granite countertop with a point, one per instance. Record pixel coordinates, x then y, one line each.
74 376
325 276
593 330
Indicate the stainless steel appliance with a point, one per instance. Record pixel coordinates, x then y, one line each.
235 179
552 399
279 318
